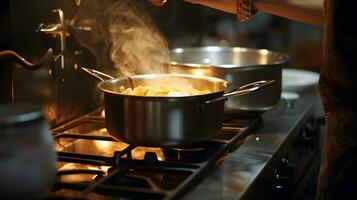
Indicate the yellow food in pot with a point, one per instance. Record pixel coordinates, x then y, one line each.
161 91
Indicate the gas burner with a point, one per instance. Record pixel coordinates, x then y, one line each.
92 164
198 153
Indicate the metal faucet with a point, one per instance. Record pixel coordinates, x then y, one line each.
57 30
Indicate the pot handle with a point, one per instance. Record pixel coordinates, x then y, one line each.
245 89
97 74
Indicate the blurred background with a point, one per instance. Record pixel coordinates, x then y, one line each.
186 25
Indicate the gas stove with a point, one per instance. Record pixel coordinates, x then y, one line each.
272 155
91 164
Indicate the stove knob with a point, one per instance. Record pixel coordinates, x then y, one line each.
283 179
290 98
309 135
307 140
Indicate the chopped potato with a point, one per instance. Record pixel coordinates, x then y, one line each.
121 88
198 92
127 91
140 91
161 91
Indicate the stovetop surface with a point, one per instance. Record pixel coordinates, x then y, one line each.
248 168
93 165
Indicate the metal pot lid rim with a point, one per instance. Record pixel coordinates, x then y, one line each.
225 66
235 49
153 76
283 58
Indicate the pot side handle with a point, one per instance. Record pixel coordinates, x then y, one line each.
245 89
97 74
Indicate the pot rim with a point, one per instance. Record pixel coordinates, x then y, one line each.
283 57
223 82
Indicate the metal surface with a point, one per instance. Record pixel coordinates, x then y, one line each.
57 30
97 74
245 89
248 172
163 121
86 153
166 121
238 66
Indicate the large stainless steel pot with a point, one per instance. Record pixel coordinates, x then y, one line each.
162 120
27 158
238 66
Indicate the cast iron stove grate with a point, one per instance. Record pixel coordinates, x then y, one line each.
92 165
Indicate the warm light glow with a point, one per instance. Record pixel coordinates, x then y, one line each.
107 148
101 168
206 61
102 147
178 50
82 177
77 166
199 72
139 153
102 113
50 111
263 59
102 131
50 72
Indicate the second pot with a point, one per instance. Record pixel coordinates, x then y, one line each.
238 66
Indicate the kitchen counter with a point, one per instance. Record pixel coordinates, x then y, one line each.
248 172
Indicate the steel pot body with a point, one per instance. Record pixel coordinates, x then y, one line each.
27 159
238 66
163 121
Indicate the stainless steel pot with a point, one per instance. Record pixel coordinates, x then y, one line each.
238 66
27 158
162 120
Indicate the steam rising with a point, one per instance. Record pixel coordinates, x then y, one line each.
137 46
126 34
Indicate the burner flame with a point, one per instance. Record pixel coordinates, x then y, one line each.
101 168
139 153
